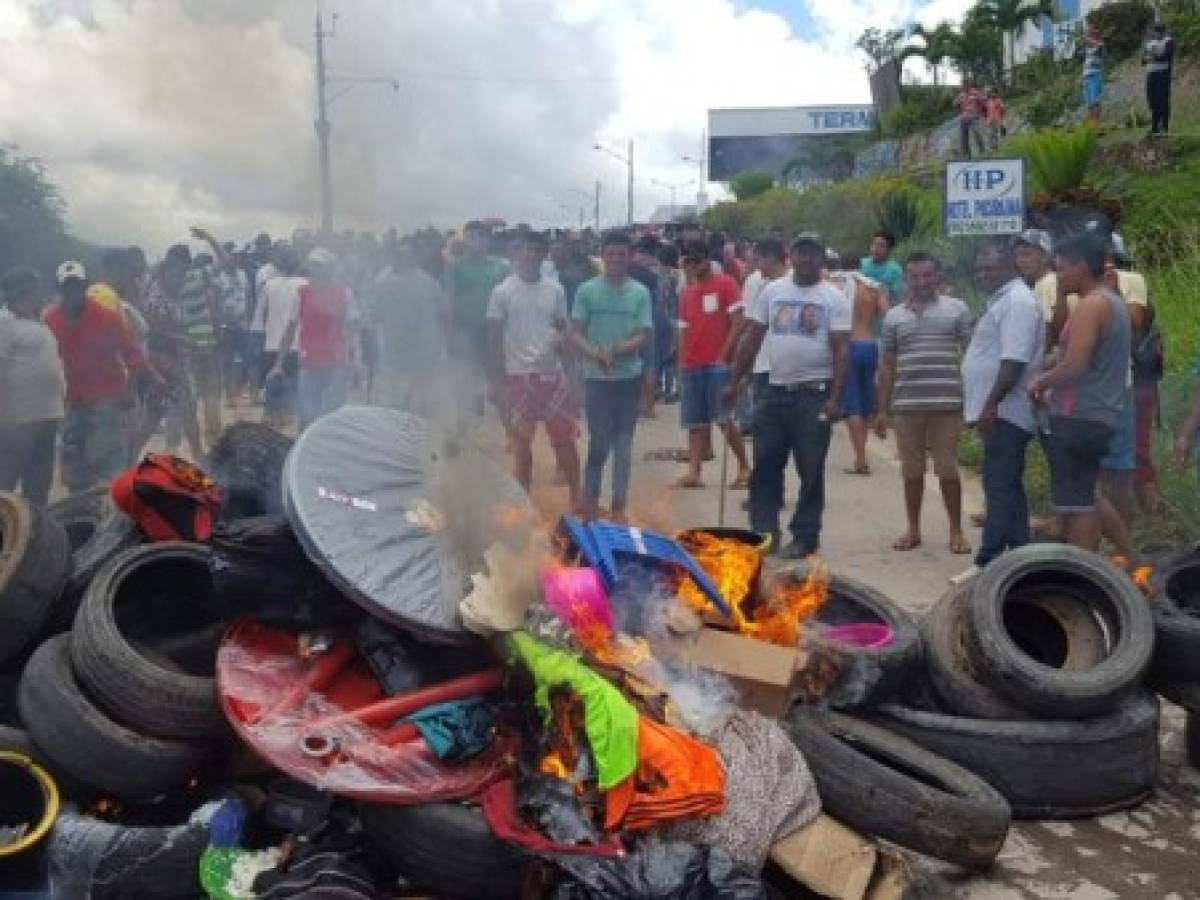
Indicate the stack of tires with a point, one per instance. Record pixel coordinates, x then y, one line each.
1035 683
1175 670
124 704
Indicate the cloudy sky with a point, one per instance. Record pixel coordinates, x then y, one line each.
153 115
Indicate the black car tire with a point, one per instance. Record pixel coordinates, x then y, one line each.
1047 769
446 848
35 557
79 739
165 581
866 676
1191 736
887 786
948 665
1099 588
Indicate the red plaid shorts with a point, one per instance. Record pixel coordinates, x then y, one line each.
542 398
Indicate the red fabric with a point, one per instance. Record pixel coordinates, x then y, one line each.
705 332
168 498
323 316
995 110
970 103
500 809
98 352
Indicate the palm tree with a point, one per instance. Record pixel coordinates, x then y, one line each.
1010 17
941 44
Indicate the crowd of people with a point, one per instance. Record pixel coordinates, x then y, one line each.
771 342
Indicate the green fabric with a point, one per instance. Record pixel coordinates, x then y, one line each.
609 719
216 871
609 314
471 283
888 273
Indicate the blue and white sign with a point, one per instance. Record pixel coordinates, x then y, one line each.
985 197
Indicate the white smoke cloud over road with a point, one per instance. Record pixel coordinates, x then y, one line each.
153 115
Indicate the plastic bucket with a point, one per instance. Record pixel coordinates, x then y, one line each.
28 798
867 635
761 542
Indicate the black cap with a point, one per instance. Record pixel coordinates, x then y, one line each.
809 239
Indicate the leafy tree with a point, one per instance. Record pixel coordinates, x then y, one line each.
1123 26
1010 17
750 184
824 159
32 231
980 48
881 47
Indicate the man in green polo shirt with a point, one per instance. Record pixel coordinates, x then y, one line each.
611 323
880 266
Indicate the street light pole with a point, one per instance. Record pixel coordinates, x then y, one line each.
597 206
701 162
628 160
672 188
322 126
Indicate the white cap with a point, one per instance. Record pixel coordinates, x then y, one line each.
70 269
1035 237
319 256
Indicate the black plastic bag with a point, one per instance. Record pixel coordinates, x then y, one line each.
402 663
659 870
258 568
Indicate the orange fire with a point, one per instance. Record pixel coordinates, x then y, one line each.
1141 575
783 603
566 718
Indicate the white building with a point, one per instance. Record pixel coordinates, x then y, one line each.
1048 35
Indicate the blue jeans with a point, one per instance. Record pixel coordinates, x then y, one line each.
1006 518
790 422
612 414
321 391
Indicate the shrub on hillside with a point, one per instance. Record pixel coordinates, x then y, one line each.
922 108
1057 160
1123 26
1183 22
1162 213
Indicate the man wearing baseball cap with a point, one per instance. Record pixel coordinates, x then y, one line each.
99 352
805 325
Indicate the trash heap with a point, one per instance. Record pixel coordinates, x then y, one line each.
371 667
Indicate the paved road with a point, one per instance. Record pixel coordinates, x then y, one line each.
1150 852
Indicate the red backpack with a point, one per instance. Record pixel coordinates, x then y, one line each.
168 497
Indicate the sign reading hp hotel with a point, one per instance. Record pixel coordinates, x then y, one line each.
985 197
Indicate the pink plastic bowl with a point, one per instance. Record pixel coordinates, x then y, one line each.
866 635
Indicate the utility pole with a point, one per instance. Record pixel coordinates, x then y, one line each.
597 206
629 206
701 161
323 129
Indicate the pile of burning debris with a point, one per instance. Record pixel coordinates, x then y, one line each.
368 665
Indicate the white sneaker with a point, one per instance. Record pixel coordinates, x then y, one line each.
964 577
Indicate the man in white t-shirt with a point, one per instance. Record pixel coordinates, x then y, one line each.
804 324
279 304
527 318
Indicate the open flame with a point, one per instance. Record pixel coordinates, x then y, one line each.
1141 575
783 604
566 718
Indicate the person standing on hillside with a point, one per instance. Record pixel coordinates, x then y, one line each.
805 326
879 266
1093 72
32 386
470 282
920 384
611 323
1084 394
1158 58
528 317
1004 356
994 109
869 303
970 102
710 321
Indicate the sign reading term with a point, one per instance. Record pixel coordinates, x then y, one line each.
985 196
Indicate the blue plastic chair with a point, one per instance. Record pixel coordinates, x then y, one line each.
599 542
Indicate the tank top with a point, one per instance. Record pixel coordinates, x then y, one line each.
1099 393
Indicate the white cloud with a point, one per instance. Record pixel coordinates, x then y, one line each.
153 114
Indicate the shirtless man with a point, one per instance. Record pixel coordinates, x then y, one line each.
870 302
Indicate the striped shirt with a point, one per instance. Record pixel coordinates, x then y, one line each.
928 348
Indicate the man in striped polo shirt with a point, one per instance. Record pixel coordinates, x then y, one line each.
920 382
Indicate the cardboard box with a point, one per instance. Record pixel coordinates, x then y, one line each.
765 675
835 861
